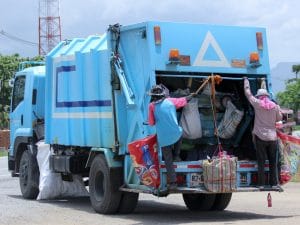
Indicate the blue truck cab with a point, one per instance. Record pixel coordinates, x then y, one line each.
27 111
91 99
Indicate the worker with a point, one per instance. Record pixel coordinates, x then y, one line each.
162 114
267 113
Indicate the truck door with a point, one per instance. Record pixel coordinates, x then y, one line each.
17 107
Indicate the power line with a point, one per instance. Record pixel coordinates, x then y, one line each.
12 37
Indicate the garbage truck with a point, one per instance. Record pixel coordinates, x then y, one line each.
89 103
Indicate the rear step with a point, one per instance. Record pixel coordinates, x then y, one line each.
187 190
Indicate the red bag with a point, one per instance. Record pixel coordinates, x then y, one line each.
144 156
285 177
289 148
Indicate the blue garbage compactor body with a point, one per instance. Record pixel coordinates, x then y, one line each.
79 95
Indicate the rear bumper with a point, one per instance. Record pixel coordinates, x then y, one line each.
185 190
245 173
190 180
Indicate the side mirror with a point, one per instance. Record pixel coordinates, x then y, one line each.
11 82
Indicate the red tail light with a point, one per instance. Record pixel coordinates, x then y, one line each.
253 178
259 41
157 36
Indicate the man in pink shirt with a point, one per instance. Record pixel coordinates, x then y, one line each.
267 113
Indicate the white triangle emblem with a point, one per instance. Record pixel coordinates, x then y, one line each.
210 40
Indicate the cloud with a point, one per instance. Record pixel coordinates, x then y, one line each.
83 18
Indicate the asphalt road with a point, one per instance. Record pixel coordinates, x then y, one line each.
245 208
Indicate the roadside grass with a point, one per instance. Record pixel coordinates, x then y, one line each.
296 178
297 127
3 153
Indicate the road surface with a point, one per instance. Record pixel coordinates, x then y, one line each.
245 208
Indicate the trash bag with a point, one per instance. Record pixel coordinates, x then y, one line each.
220 173
144 156
51 184
180 93
230 121
289 149
190 120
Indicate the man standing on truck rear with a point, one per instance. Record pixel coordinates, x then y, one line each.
267 113
162 113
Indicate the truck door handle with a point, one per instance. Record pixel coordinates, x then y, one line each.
22 120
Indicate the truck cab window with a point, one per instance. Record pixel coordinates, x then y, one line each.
18 93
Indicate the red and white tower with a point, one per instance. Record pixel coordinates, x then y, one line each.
49 25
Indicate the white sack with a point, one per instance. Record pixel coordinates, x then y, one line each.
190 120
230 121
51 184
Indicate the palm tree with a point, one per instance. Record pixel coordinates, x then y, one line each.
296 70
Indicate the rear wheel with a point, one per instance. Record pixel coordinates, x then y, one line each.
29 176
222 201
199 202
104 187
128 202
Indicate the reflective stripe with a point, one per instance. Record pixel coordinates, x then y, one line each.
192 166
210 41
64 58
251 165
80 115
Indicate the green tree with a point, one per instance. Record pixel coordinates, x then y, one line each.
296 70
8 67
290 98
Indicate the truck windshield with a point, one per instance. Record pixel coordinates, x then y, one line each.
18 93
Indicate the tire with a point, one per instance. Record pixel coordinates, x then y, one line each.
128 202
222 201
199 202
29 176
104 187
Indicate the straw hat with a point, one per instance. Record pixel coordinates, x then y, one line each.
262 92
157 90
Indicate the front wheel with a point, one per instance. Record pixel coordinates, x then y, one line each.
104 187
199 202
29 176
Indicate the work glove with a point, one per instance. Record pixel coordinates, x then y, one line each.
190 96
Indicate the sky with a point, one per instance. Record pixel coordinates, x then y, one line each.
81 18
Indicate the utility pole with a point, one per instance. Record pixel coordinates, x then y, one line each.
49 25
